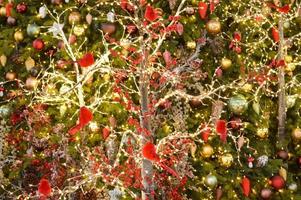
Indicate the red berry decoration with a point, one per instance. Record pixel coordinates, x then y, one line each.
21 7
277 182
38 44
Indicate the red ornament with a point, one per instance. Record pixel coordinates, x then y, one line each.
275 34
38 44
205 134
8 9
221 129
85 116
44 187
284 9
86 60
246 186
21 7
150 14
105 133
277 182
203 9
235 123
149 152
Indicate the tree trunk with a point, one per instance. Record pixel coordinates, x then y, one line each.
147 166
281 91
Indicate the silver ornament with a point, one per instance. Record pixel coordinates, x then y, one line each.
33 29
115 194
42 12
210 180
238 104
293 187
262 161
5 111
111 16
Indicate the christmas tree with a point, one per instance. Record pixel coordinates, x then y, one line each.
161 99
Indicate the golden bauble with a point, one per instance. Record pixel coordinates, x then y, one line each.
266 10
29 63
226 63
10 76
107 77
79 30
288 58
74 17
2 11
31 83
18 36
296 134
247 87
3 60
192 19
213 26
225 160
191 44
262 132
207 151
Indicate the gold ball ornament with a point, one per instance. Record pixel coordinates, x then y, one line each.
192 19
262 132
288 58
226 63
296 134
213 26
247 87
10 76
74 17
3 60
18 36
290 67
29 63
2 11
79 30
207 151
31 83
225 160
191 44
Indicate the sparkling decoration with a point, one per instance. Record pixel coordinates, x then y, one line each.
277 182
5 111
79 30
296 134
266 193
18 35
42 12
191 44
56 28
262 161
213 26
111 17
293 187
226 63
115 194
262 132
207 151
225 160
21 7
33 30
291 100
238 104
210 180
29 63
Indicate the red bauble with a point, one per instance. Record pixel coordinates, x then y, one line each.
246 186
149 152
277 182
38 44
21 7
44 187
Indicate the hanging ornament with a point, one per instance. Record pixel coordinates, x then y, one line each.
207 151
282 154
221 129
87 60
85 116
63 108
108 28
151 14
203 9
44 188
213 26
189 10
226 63
193 149
2 11
291 100
277 182
89 18
42 12
29 63
205 134
10 76
293 187
18 36
210 180
246 186
262 161
275 34
112 121
11 21
31 83
218 193
3 60
262 132
191 44
33 30
21 8
225 160
235 123
266 193
250 161
79 30
256 107
105 132
74 17
282 172
111 17
296 134
5 111
299 162
240 142
238 104
38 44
